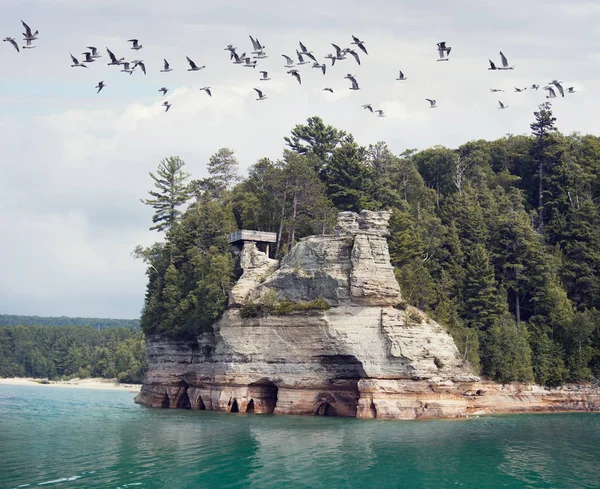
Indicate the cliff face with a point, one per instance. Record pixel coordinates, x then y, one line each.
362 357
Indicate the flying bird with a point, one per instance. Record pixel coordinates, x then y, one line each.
520 89
328 89
571 90
558 85
193 66
100 86
401 76
368 107
339 52
167 67
207 90
265 76
353 53
76 63
164 90
505 65
28 44
551 92
303 48
113 58
501 105
431 103
322 66
256 45
135 45
380 113
237 59
13 42
88 57
359 43
94 51
126 68
260 55
492 65
443 51
140 63
535 87
261 96
248 63
27 34
301 58
353 81
166 105
289 62
295 74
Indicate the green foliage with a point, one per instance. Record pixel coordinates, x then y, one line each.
57 352
172 193
315 138
281 308
96 323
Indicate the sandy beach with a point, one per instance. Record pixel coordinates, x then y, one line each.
96 383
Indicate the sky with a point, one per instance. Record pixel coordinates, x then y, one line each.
74 164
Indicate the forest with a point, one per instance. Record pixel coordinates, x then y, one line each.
64 352
96 323
499 241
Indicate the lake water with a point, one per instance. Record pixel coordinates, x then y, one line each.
70 438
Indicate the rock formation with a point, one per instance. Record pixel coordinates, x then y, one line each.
368 356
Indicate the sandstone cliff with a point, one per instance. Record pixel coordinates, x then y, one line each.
368 355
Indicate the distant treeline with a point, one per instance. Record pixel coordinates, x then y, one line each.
96 323
60 352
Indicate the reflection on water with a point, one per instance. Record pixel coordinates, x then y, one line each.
97 439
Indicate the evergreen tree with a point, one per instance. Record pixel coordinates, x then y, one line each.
172 193
223 168
316 138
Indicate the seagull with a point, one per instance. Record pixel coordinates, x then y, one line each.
502 106
13 42
27 34
380 113
303 48
193 66
249 64
261 96
289 62
166 105
256 45
207 90
332 58
166 68
113 58
520 89
100 86
231 47
140 63
328 89
443 51
164 90
339 53
135 46
295 74
354 82
126 68
571 90
551 92
505 65
353 53
492 65
496 90
558 85
323 66
359 43
265 76
535 87
368 107
260 55
238 59
76 63
300 58
88 57
401 76
431 103
94 51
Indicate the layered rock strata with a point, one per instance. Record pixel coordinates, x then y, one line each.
367 356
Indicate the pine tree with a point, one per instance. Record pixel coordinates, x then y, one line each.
316 138
223 168
172 193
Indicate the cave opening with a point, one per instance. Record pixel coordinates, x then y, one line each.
326 409
201 405
250 406
183 400
373 410
265 392
234 407
165 401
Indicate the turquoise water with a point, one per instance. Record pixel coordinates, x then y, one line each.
70 438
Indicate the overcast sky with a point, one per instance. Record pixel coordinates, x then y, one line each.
74 164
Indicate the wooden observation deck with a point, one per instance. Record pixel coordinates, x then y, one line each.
239 237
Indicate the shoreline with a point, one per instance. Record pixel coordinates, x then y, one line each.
91 383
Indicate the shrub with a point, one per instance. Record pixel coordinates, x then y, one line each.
402 305
415 317
252 310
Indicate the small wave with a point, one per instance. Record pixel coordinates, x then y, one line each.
62 479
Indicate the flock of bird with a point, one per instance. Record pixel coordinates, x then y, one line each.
257 53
